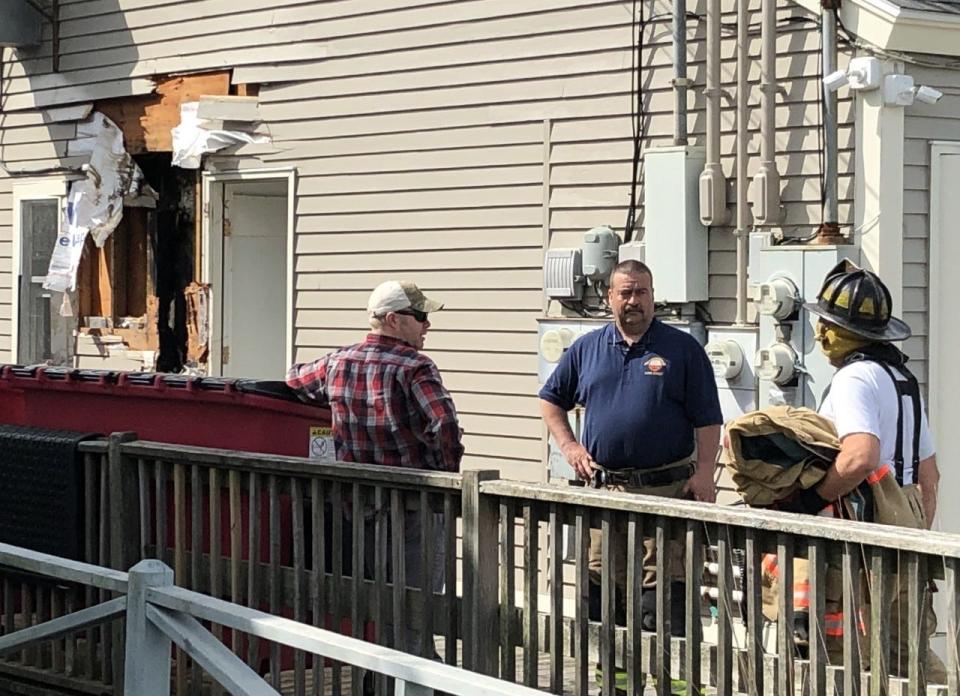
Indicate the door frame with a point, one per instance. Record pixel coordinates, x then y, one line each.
45 188
214 184
937 363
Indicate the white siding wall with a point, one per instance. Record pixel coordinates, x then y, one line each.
922 124
441 141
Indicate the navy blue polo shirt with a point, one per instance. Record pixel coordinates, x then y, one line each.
642 402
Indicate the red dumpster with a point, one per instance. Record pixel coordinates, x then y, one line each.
245 415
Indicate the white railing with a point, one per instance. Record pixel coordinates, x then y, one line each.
159 614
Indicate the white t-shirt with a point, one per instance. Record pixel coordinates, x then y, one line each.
863 399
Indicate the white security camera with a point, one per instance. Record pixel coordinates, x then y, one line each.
836 80
928 95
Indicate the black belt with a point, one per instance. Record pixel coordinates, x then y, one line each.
642 478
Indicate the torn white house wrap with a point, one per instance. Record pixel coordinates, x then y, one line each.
192 139
94 203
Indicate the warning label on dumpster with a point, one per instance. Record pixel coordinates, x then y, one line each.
321 444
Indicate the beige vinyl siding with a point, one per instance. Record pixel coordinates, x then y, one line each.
923 123
446 142
444 162
27 145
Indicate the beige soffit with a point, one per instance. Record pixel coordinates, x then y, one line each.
888 26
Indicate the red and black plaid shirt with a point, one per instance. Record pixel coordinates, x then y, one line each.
389 406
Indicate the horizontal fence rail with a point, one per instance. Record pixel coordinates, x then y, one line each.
408 670
487 574
158 613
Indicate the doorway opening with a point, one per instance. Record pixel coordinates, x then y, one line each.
248 253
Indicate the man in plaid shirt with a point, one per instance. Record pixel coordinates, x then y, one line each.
390 407
388 403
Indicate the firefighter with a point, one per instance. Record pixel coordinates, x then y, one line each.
875 402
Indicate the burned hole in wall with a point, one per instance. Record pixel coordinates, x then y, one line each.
132 306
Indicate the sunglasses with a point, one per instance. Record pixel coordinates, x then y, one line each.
415 313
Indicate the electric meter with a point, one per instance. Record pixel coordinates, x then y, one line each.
726 358
554 342
778 298
777 363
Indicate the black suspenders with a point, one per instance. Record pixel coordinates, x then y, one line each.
907 387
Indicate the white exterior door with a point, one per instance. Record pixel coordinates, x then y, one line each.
254 280
944 333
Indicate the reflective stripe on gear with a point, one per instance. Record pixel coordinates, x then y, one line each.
833 624
879 474
678 687
621 681
801 594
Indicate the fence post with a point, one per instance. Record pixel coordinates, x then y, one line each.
124 504
147 654
480 574
124 532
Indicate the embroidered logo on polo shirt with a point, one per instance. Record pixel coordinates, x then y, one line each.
654 365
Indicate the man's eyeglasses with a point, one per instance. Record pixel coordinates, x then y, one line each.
415 313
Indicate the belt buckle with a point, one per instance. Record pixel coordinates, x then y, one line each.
613 478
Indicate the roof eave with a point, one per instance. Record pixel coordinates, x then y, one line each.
892 28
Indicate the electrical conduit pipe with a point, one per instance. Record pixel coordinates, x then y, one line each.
830 227
742 212
766 182
713 187
680 81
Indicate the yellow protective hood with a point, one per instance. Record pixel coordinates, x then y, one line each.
837 342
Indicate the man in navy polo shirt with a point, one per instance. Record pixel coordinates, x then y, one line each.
651 421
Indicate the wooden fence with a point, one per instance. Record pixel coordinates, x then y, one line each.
283 535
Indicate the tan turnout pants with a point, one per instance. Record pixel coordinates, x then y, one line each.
898 656
618 543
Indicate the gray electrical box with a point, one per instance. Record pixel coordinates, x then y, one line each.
563 274
675 239
600 247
